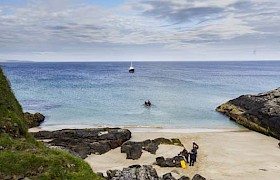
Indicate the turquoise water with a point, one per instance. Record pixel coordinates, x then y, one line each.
184 94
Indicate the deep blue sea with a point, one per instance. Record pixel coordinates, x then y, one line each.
184 94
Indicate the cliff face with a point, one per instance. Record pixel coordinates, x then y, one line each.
10 111
260 112
22 156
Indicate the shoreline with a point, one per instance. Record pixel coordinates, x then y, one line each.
138 129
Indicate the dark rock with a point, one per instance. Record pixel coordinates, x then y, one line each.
115 143
260 112
169 162
198 177
135 166
142 173
145 172
152 171
147 142
129 173
161 161
100 147
82 151
184 178
168 176
113 173
152 148
133 151
33 120
136 172
177 161
135 148
86 141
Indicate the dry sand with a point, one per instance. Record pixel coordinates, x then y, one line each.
222 155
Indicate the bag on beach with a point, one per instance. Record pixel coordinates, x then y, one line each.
183 164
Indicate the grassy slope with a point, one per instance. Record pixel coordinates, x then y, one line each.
23 156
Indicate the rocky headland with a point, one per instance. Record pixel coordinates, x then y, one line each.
260 112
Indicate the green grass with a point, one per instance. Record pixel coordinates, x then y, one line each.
11 115
23 156
44 164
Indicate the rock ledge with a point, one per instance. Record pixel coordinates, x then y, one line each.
83 142
260 112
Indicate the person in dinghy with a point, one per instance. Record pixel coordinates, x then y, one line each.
148 103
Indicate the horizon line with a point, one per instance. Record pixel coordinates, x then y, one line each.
83 61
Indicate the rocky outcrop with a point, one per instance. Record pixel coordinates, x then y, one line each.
260 112
136 172
169 162
83 142
133 150
33 120
145 172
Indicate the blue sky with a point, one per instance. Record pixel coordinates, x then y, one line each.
124 30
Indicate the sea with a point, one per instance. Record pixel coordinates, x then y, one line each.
184 95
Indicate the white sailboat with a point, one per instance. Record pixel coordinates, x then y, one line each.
131 68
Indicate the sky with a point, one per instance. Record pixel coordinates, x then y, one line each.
139 30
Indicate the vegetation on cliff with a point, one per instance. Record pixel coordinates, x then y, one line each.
22 156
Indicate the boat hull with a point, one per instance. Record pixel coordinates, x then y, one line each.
131 70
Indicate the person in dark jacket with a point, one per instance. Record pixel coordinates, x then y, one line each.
185 154
192 157
195 148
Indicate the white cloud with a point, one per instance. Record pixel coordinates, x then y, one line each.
61 26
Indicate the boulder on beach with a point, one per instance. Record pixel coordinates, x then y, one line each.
260 112
133 150
169 162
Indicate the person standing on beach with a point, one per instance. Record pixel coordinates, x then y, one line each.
192 157
185 154
195 148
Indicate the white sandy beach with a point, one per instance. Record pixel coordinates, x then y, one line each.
223 154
